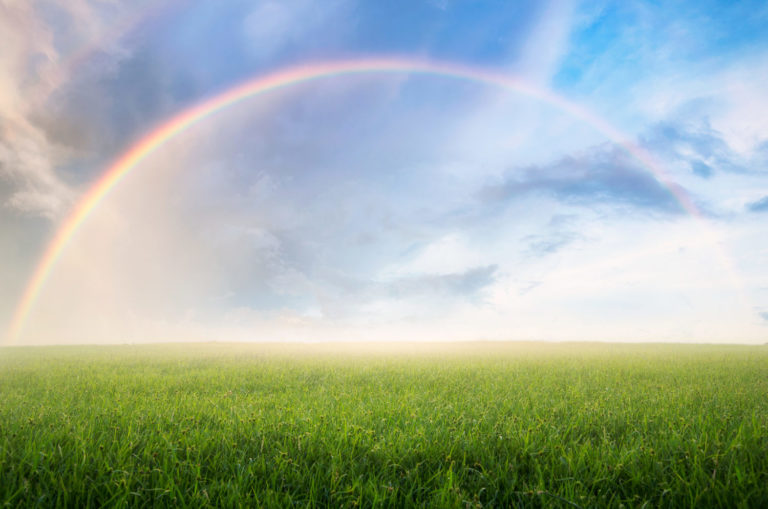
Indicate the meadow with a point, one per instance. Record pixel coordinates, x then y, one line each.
334 425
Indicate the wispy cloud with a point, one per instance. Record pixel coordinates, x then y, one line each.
540 245
601 176
27 159
547 42
696 144
340 296
760 205
464 284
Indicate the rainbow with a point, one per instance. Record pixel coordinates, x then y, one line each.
286 78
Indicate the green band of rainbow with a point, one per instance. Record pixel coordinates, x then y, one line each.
176 125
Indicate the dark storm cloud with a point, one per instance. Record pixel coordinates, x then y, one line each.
603 176
760 205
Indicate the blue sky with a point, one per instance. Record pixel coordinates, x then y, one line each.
386 207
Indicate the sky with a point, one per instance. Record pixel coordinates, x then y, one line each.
388 206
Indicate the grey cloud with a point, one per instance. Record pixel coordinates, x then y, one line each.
99 112
28 181
760 205
603 176
30 186
673 136
764 315
45 49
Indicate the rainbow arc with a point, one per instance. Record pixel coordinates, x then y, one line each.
182 121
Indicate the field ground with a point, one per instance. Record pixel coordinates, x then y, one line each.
448 425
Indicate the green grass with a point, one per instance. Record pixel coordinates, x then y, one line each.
461 425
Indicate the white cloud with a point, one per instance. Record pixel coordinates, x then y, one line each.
43 45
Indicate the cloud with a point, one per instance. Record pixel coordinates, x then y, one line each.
48 48
697 144
464 284
338 296
341 296
760 205
547 42
598 177
539 245
26 157
557 233
27 173
764 315
422 296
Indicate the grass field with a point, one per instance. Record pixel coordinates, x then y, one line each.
462 425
